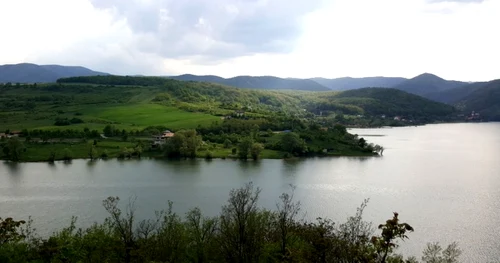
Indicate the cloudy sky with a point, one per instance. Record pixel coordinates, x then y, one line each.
455 39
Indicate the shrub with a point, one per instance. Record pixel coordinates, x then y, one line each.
67 154
105 154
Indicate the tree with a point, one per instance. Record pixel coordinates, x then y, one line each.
287 210
244 147
255 150
434 253
191 144
292 143
67 155
104 154
138 151
9 230
93 153
109 131
227 143
242 226
173 145
202 231
52 156
362 143
13 149
122 224
391 231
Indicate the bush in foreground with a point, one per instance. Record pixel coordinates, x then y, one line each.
243 232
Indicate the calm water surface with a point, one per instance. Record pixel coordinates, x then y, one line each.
443 179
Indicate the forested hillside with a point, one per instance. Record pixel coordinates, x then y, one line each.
484 99
368 101
426 83
348 83
258 82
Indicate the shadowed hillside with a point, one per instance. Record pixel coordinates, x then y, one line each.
32 73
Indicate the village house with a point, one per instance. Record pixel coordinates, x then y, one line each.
160 139
10 134
239 113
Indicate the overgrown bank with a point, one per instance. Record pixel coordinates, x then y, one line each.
234 138
243 232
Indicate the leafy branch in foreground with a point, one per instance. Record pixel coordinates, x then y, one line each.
243 232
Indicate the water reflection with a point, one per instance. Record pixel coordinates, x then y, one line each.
290 166
13 167
91 165
181 166
52 166
250 166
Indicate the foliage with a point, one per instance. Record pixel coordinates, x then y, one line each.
184 143
243 232
434 253
292 143
244 148
255 150
13 149
67 154
9 230
391 231
93 152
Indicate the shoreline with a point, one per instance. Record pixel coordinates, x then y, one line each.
146 157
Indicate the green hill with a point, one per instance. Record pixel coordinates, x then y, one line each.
427 83
138 102
392 102
484 99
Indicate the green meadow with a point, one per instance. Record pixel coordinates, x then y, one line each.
128 117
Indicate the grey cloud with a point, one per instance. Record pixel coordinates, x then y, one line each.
212 30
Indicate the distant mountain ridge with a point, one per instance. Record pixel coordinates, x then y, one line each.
32 73
427 83
469 96
258 82
348 83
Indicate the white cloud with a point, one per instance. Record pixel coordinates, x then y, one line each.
453 39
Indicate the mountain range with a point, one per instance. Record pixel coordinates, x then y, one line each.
32 73
482 97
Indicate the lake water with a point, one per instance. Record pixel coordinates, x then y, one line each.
442 179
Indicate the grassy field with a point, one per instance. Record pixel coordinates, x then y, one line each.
40 152
128 117
36 152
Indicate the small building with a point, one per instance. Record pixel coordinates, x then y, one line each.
239 113
3 135
161 139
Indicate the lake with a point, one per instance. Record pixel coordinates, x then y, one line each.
442 179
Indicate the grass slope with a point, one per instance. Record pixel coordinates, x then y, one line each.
137 102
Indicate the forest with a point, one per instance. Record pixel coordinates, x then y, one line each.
242 232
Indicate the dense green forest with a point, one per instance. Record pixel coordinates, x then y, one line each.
243 232
78 113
